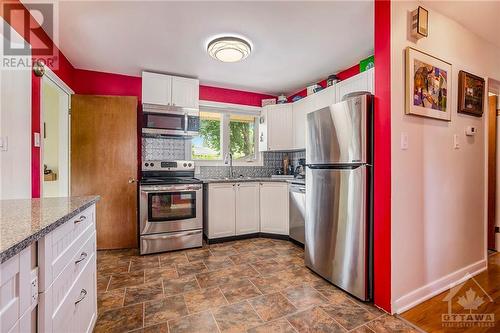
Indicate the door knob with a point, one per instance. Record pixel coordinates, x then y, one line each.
131 180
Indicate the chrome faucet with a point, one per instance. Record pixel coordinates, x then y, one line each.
228 159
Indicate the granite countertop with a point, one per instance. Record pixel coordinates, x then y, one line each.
25 221
250 179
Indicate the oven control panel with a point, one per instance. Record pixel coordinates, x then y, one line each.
168 166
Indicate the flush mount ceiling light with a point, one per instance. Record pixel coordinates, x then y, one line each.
229 49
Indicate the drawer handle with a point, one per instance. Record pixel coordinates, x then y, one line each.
83 256
81 219
83 294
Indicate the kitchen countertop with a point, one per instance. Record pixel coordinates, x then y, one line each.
250 179
24 221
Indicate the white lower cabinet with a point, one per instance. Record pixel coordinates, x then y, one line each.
247 208
221 210
16 301
67 261
274 208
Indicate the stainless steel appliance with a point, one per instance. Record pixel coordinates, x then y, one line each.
170 207
158 122
339 194
297 210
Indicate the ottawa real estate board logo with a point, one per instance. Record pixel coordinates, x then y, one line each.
29 33
469 305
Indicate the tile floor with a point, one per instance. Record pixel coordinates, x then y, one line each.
255 285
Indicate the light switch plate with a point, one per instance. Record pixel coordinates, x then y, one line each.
456 144
36 139
404 141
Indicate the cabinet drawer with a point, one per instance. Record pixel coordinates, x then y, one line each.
70 304
58 248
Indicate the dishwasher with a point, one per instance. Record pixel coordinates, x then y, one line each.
297 193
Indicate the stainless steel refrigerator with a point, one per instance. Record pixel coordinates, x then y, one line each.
338 226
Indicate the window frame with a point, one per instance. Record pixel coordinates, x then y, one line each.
226 110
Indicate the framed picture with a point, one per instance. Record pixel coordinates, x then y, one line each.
470 94
428 85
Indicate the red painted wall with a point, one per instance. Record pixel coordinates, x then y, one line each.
224 95
345 74
382 156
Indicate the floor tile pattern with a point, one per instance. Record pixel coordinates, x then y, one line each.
255 285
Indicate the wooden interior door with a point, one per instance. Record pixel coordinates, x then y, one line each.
492 169
104 162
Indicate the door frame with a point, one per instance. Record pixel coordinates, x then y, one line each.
51 78
493 88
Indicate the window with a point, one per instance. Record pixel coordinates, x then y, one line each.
207 145
222 132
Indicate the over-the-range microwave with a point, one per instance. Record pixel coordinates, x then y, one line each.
161 122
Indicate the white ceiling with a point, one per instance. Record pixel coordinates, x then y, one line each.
480 17
295 43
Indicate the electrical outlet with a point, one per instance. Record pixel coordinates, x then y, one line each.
36 139
34 286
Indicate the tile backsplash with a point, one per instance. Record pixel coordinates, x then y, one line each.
154 149
178 149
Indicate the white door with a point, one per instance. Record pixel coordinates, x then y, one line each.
221 210
185 92
247 208
360 82
280 127
156 88
55 134
274 208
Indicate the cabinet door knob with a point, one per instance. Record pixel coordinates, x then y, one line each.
81 219
83 294
131 180
83 256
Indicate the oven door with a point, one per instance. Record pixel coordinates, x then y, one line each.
170 208
172 123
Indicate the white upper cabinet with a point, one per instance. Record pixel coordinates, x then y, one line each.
323 98
278 121
172 91
185 92
156 88
362 82
247 208
300 110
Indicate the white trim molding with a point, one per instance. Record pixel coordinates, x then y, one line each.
57 80
434 288
229 107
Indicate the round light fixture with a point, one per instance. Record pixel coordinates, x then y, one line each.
229 49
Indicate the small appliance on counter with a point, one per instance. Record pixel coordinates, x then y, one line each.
170 207
300 171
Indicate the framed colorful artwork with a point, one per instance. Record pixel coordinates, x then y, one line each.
428 85
470 94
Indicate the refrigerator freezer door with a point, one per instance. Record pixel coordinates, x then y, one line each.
340 133
337 227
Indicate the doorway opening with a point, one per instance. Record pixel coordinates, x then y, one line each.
493 109
55 143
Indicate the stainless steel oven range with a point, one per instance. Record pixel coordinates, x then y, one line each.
170 207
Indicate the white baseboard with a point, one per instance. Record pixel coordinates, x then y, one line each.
434 288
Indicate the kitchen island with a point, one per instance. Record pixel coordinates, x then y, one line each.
47 259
